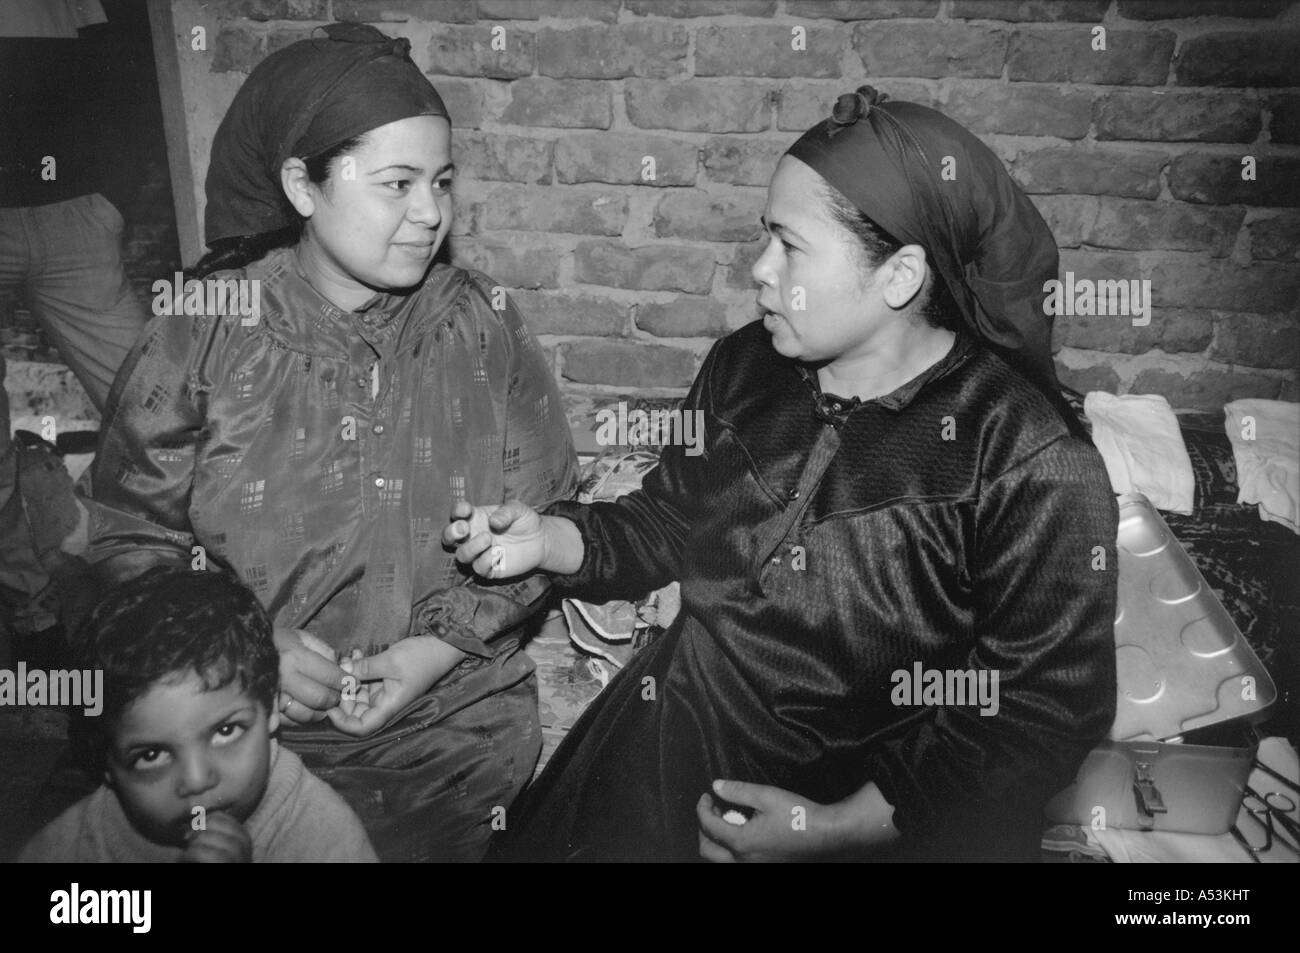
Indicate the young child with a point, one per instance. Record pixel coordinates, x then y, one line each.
191 771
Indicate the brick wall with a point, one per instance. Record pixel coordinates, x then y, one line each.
1133 154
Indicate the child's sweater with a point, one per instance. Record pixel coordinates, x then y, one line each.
299 819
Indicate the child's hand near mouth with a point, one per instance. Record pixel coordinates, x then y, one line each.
222 841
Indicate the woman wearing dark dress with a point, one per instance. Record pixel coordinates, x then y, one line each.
890 491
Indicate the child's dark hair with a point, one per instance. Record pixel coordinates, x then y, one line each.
169 622
938 307
231 253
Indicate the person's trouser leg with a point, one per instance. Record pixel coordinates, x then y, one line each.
79 291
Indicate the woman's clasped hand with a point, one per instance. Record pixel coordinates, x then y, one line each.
358 694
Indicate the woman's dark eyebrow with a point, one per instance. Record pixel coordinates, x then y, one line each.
414 169
778 227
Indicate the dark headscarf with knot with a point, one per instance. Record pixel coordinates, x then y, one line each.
300 101
928 181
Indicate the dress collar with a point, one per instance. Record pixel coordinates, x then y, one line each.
835 409
375 313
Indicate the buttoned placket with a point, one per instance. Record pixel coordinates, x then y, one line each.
370 357
772 540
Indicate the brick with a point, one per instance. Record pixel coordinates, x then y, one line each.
399 11
1185 9
686 316
627 365
1021 109
464 100
606 11
1258 288
276 9
1089 377
656 49
620 159
1246 58
583 211
509 262
701 8
742 161
466 215
1256 340
1089 171
486 155
467 51
648 268
738 274
1173 226
1099 265
767 51
741 311
1086 11
1131 57
236 50
1068 216
597 315
857 10
1174 332
1276 238
1285 126
1208 389
1177 117
1217 180
802 107
567 103
697 106
930 50
710 218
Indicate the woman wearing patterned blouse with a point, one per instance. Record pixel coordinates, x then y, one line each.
311 448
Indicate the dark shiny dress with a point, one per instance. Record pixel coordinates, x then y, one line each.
953 523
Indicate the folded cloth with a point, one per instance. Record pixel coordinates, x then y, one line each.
1265 436
1142 447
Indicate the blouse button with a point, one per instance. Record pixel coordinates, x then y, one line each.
792 495
776 560
379 482
378 428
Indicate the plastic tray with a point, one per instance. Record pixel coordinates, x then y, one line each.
1181 661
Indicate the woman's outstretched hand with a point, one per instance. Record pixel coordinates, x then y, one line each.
377 687
497 541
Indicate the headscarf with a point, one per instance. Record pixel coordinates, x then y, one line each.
301 101
928 181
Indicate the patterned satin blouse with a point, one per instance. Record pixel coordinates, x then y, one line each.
317 453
